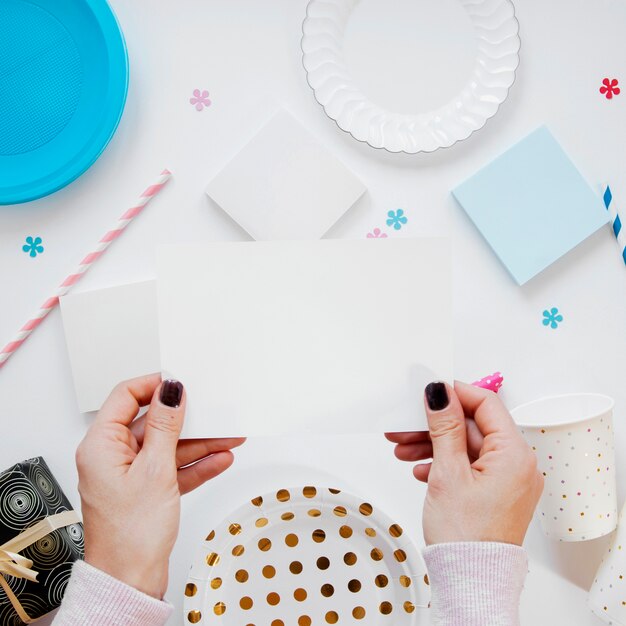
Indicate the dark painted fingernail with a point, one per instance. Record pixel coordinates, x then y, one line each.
171 393
437 396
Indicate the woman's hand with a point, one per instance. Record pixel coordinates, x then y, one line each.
131 475
483 483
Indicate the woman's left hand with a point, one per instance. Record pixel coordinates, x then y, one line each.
131 476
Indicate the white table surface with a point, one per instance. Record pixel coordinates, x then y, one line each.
247 55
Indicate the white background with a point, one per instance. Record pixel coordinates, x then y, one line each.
246 53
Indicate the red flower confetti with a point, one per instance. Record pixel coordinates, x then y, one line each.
609 88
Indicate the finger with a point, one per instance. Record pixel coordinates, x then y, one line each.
197 474
414 437
414 451
124 401
192 450
446 423
488 411
164 421
422 471
475 439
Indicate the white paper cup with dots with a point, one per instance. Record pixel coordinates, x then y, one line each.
607 596
572 436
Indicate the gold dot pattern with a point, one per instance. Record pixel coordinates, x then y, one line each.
387 533
283 495
300 594
327 590
376 554
400 556
238 550
273 598
366 509
323 563
381 581
241 576
395 530
246 603
385 608
345 532
358 612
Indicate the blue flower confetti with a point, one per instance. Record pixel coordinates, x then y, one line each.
33 246
396 219
552 318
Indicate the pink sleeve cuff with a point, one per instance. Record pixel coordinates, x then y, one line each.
95 598
475 583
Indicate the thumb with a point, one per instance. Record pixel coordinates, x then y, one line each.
446 423
164 419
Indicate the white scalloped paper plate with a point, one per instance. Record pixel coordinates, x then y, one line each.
306 556
496 30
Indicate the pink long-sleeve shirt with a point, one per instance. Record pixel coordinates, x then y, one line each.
472 584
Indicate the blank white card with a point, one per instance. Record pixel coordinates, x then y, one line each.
325 336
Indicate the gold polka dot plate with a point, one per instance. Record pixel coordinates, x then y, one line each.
307 556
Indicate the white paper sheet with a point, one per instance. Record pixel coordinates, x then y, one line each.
111 335
284 184
324 336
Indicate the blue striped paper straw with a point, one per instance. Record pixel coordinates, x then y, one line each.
620 233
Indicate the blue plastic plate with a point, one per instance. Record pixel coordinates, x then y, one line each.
63 86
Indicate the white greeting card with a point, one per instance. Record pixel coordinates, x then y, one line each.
111 335
284 184
324 336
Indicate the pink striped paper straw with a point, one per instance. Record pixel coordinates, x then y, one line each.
85 264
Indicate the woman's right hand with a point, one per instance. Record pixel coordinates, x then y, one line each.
483 483
132 473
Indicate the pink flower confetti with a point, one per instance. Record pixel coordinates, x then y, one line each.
376 234
200 99
609 88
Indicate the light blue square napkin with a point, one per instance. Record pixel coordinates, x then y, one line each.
532 205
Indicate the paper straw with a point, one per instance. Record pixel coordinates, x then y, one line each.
85 264
620 233
492 382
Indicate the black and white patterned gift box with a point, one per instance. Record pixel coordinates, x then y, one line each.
30 494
